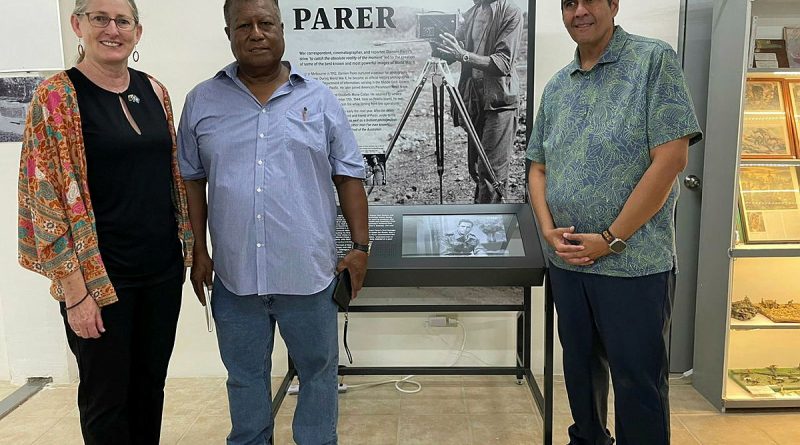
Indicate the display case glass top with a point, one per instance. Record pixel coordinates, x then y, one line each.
451 245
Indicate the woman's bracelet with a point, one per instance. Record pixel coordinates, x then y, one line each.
79 302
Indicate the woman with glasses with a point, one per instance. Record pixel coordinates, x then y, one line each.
102 213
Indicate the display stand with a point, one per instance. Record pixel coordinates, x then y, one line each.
736 349
410 250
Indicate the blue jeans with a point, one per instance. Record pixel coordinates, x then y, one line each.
246 332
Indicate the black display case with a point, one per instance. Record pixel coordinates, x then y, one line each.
427 247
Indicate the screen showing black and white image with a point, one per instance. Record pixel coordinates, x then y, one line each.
382 62
462 236
15 95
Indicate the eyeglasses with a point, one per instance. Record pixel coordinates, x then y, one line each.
99 20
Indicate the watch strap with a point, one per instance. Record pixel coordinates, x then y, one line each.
362 247
608 236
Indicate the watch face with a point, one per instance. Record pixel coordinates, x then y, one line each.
617 246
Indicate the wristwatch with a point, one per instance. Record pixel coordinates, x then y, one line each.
465 57
616 245
362 247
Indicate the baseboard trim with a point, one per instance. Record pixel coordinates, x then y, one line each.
21 395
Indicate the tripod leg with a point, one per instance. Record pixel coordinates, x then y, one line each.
455 96
441 125
438 127
409 107
440 160
436 130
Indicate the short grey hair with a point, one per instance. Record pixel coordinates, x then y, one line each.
226 9
82 5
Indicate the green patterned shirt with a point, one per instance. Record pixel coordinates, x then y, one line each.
594 131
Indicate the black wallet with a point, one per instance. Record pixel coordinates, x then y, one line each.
343 290
341 295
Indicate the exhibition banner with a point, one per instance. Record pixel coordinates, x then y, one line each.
384 64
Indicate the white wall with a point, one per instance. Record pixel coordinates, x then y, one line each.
31 328
5 373
33 27
555 49
181 53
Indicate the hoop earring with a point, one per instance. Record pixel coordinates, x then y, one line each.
135 55
81 51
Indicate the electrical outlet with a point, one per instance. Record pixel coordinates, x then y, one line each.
293 390
442 321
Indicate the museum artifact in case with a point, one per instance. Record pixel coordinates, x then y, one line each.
747 345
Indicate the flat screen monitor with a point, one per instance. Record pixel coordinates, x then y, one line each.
478 235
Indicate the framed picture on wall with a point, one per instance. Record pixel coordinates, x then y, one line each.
16 94
766 131
770 204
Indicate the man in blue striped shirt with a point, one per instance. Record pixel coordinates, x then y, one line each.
271 144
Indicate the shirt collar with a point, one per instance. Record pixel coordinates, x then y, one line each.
295 75
610 55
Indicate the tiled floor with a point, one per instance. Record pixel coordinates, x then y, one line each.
449 410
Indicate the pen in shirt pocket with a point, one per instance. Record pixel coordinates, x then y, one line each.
305 113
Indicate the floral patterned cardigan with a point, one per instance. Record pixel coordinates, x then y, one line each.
56 224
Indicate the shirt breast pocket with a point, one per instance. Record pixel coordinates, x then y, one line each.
305 131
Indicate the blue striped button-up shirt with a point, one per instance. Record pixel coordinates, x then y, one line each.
271 199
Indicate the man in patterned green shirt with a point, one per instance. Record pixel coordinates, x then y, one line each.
611 136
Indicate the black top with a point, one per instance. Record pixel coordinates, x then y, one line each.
130 176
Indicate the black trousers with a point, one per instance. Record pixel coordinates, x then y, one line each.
617 324
122 374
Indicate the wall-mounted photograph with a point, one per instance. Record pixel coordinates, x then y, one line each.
15 96
434 127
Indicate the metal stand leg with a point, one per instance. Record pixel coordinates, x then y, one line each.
527 331
549 317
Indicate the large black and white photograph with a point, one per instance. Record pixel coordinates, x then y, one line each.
461 236
16 94
436 92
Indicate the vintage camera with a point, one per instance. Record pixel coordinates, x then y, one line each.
431 24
